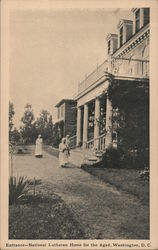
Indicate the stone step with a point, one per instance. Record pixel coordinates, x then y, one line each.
79 156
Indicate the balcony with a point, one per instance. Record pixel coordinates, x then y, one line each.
95 76
120 68
130 68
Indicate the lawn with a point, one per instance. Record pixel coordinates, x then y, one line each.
127 180
51 150
124 204
42 216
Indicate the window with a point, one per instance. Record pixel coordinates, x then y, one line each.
58 113
62 111
146 16
109 47
137 20
121 36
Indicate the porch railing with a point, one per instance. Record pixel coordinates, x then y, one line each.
118 67
101 143
94 76
90 144
130 67
73 140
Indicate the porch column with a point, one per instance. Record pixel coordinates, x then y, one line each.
96 126
85 125
78 125
108 141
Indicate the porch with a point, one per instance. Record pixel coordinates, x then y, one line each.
94 109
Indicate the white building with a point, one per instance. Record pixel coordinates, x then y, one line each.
128 60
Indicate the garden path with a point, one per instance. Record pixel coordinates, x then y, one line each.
102 211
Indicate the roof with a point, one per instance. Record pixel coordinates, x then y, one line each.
64 101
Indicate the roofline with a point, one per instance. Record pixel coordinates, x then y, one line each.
131 37
64 100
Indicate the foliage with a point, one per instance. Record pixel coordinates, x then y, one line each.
131 100
112 158
57 133
144 174
11 115
28 130
18 187
44 126
119 158
16 136
28 116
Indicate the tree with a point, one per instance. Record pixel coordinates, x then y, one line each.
44 126
16 136
28 130
56 135
132 102
11 115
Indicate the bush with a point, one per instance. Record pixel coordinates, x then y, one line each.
18 187
112 158
144 174
118 158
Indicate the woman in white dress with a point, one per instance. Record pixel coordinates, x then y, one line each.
38 149
63 160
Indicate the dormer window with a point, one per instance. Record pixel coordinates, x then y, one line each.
141 18
109 43
146 16
137 20
121 36
125 31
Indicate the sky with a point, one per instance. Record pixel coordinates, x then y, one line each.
51 51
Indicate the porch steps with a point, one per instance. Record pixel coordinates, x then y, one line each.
78 156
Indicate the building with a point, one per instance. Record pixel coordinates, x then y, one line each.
66 117
127 62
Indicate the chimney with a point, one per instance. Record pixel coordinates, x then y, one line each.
125 31
112 43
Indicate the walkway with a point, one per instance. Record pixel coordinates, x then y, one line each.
102 211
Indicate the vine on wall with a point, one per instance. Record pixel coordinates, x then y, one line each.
131 100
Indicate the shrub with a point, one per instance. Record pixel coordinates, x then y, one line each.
119 158
18 187
112 158
144 174
130 103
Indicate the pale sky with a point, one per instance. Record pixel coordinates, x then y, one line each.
51 51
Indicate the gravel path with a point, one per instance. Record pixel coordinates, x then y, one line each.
102 211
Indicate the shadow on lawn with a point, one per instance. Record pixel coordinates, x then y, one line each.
36 200
43 217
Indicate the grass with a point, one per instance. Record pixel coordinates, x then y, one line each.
22 149
43 216
123 179
51 150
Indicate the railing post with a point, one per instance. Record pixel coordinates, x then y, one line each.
96 126
108 123
85 126
78 126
